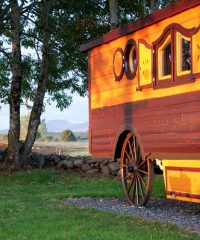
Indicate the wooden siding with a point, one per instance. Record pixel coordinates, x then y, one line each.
105 91
169 127
167 120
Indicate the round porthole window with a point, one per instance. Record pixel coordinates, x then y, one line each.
118 64
130 58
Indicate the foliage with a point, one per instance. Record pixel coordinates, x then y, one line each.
31 208
72 23
67 135
24 120
81 136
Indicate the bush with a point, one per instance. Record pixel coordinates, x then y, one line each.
49 138
67 135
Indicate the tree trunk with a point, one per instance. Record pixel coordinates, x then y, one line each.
154 5
114 19
12 152
41 89
145 7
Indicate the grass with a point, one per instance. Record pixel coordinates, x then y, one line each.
31 207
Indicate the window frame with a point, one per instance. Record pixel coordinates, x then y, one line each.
179 72
175 78
168 40
131 44
118 76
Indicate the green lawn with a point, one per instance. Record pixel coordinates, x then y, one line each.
31 208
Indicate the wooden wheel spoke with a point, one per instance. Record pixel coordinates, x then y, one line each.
129 158
124 165
128 176
142 180
131 150
142 171
132 145
139 157
135 149
131 184
140 187
142 163
136 191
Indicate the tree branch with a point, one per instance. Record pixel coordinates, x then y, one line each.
29 7
4 11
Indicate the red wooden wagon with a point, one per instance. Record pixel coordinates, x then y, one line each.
144 97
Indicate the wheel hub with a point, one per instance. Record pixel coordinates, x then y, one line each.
131 169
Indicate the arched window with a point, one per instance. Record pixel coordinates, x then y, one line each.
173 56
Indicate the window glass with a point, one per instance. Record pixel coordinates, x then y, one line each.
185 54
166 60
132 59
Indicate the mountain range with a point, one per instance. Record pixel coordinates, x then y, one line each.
59 125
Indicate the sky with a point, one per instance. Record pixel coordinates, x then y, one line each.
77 112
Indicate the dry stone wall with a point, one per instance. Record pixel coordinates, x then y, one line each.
86 164
90 166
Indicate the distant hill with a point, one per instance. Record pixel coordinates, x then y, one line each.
58 125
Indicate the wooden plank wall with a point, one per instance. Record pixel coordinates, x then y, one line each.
168 126
167 120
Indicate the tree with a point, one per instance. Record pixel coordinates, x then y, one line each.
151 6
12 154
57 65
36 111
17 21
114 19
67 135
24 121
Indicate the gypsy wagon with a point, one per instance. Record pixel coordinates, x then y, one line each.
144 99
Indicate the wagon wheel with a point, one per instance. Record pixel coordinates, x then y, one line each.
136 172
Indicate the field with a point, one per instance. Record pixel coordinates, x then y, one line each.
72 148
3 144
32 207
66 148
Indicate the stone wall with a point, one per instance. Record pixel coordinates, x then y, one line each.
85 164
91 166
